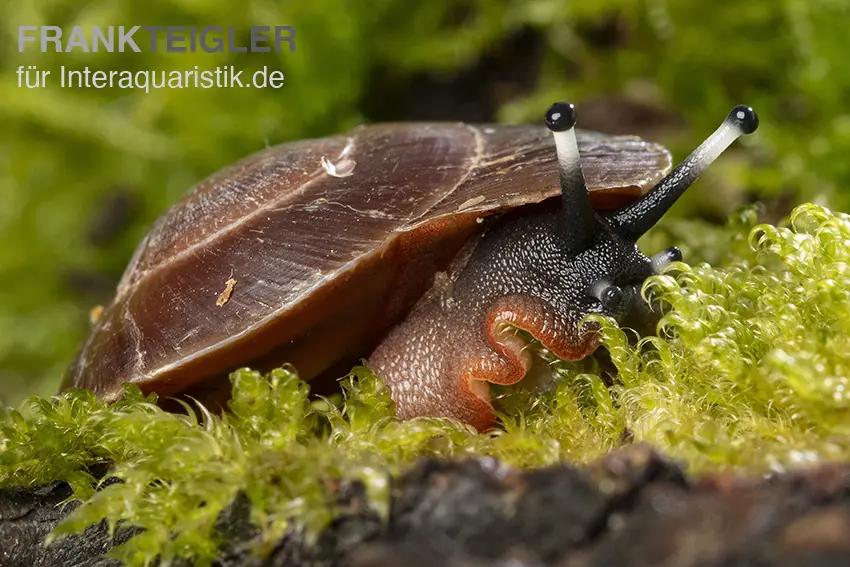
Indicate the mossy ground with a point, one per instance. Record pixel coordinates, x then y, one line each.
749 372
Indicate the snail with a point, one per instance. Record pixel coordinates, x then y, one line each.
421 247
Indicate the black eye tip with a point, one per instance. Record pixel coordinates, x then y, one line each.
745 118
561 116
674 254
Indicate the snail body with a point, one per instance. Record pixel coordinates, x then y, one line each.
419 246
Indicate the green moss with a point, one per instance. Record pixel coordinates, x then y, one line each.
749 371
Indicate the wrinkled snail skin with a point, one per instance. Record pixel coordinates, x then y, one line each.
519 275
540 269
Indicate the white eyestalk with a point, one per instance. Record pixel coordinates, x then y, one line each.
633 220
581 226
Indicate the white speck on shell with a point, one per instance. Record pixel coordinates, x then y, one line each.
342 168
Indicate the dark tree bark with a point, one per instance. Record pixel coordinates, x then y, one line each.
633 508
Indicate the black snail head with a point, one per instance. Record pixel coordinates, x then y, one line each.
602 259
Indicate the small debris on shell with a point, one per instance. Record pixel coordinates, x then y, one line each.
342 168
224 297
95 313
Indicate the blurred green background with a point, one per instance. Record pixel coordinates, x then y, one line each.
85 172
